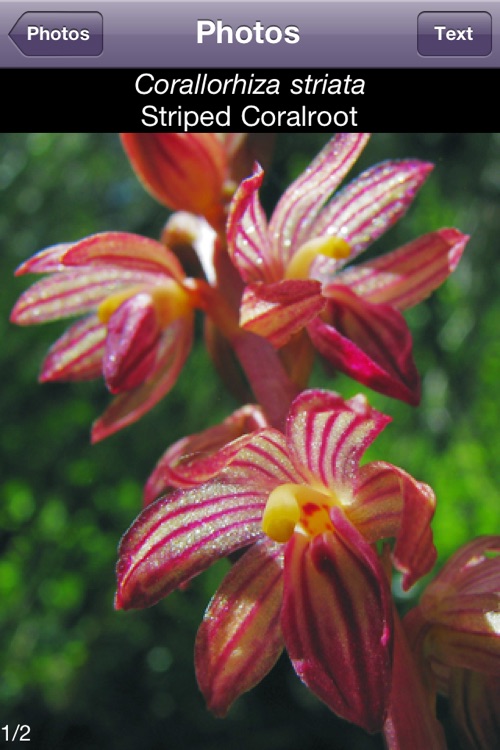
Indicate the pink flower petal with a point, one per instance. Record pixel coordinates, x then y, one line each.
131 344
247 233
179 465
179 536
261 461
128 407
277 311
71 292
124 250
462 605
257 461
369 206
473 569
406 276
337 622
45 261
299 205
327 437
388 502
77 355
369 342
240 638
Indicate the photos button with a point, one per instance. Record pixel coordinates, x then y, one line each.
56 34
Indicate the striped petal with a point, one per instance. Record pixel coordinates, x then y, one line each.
463 648
45 261
247 233
180 464
467 612
124 250
77 355
257 460
369 342
277 311
240 638
388 502
327 437
72 292
128 407
337 622
262 461
408 275
463 605
473 569
131 344
179 536
299 205
475 708
368 207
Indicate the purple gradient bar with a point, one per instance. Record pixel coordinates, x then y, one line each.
333 35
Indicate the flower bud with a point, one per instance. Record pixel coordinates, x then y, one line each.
184 171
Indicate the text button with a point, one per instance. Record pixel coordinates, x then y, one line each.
454 34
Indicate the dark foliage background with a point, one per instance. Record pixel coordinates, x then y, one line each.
83 676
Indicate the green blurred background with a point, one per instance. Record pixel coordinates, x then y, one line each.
84 676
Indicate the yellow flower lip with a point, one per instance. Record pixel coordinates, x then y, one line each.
282 513
109 305
171 301
296 507
331 247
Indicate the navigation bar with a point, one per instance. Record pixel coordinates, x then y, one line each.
250 35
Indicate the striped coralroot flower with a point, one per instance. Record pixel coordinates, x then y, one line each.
294 266
137 325
305 516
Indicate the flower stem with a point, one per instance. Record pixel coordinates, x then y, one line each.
411 723
268 379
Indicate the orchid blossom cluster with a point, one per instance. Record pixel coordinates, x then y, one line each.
313 535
